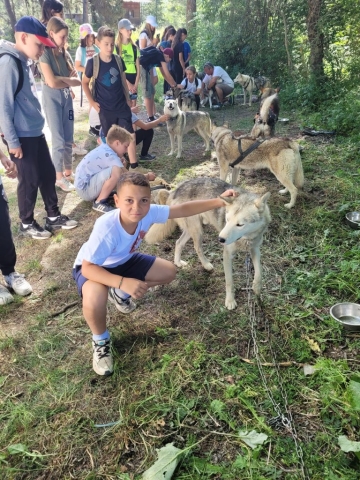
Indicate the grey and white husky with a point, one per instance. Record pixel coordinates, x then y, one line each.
240 224
181 123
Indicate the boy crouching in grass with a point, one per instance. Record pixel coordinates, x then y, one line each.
109 268
99 171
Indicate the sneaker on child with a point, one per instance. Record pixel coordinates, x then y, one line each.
70 177
16 281
102 207
102 357
65 185
34 231
76 150
62 221
5 296
94 132
148 156
124 306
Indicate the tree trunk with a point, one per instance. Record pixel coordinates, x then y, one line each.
85 12
11 13
190 13
316 38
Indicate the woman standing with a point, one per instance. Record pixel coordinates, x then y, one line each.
178 62
128 52
146 39
58 74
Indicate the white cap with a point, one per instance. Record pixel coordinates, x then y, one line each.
151 20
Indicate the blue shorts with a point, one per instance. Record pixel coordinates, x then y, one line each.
136 267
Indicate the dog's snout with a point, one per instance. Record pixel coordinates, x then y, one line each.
222 240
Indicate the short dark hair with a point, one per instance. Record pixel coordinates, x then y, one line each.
105 31
130 178
208 65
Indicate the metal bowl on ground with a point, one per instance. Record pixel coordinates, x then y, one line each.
347 314
284 121
353 220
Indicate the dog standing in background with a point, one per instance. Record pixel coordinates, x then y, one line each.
265 120
181 123
241 224
279 155
250 84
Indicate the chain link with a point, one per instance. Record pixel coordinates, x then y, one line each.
283 418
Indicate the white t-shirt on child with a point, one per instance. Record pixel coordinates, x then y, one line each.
191 87
90 52
110 245
96 160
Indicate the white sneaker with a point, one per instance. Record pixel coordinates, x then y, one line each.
5 296
65 185
70 177
124 306
102 357
78 150
17 282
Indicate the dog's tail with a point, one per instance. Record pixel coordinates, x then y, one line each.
269 104
160 231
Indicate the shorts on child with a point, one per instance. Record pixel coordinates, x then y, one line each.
109 118
136 267
148 89
93 189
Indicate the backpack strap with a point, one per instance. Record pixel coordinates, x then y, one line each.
135 52
83 56
96 66
123 78
186 83
21 73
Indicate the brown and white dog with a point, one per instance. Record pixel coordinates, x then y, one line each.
250 84
265 120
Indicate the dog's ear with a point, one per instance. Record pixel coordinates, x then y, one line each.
261 202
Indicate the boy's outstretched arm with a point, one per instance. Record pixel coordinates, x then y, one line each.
195 207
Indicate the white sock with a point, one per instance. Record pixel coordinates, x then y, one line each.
123 295
26 225
52 219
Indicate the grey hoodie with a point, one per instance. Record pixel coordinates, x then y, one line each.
22 117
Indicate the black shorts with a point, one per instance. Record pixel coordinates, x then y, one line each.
137 267
109 118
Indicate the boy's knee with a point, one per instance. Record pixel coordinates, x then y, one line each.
94 295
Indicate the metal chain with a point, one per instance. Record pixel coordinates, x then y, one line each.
281 420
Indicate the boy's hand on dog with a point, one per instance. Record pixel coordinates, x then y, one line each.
135 288
151 176
230 193
17 152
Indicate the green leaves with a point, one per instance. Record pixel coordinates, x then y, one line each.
253 438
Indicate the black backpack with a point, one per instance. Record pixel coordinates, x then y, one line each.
197 82
21 73
151 57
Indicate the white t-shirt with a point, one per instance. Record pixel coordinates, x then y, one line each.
90 52
96 160
191 87
219 72
145 35
110 245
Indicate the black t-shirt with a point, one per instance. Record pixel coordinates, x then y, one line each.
108 85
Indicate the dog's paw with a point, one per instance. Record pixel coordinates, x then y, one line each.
178 156
181 263
208 266
256 288
170 154
283 191
288 205
230 303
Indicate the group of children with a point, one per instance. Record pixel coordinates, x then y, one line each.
108 266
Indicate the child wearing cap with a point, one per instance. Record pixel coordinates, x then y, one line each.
128 52
87 48
22 123
58 74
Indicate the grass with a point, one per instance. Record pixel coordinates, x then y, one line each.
180 374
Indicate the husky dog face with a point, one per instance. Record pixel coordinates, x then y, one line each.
171 107
244 219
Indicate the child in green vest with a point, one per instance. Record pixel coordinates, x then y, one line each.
128 51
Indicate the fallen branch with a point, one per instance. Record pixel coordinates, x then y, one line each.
270 364
55 314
